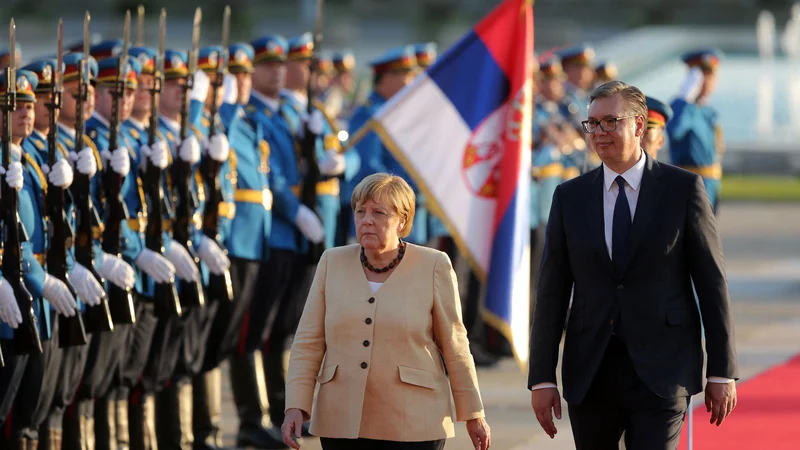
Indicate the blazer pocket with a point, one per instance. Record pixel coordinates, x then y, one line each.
326 374
417 377
679 316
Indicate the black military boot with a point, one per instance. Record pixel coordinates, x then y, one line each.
207 410
174 416
141 421
104 417
249 393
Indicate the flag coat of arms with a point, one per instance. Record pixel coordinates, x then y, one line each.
462 129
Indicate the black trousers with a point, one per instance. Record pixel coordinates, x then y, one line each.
10 378
275 282
619 401
343 225
374 444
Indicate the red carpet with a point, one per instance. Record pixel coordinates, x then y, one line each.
766 417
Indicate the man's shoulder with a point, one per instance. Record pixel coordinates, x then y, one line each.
579 184
675 174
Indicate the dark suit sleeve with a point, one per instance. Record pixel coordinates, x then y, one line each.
704 254
552 299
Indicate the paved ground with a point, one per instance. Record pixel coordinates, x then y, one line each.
762 251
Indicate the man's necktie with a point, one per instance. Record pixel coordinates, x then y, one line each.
621 225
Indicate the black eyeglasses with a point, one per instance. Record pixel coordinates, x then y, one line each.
608 125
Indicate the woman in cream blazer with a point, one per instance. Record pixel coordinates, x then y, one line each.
380 316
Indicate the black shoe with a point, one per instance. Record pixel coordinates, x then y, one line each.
261 438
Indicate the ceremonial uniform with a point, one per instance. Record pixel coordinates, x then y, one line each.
695 134
581 56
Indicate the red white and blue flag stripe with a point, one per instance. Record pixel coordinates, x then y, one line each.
462 130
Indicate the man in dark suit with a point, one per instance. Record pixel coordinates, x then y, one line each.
628 240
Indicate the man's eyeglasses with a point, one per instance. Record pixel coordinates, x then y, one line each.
608 125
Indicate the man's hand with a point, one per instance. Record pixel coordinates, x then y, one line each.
720 400
545 403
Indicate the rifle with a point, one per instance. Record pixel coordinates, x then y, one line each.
219 286
98 318
165 295
122 309
71 331
26 336
191 291
308 194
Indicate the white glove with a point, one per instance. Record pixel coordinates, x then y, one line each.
200 86
230 89
84 161
211 254
14 178
156 266
57 293
190 150
185 266
316 122
60 175
219 148
157 154
119 161
309 224
690 88
332 164
116 271
87 286
9 310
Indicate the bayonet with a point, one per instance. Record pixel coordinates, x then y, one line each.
140 25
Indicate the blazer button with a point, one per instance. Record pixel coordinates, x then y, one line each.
620 287
371 300
368 321
363 365
366 343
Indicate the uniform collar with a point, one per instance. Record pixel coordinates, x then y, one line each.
173 126
273 104
101 119
66 130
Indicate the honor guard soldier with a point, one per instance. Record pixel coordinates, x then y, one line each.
24 381
41 377
89 290
577 62
266 272
341 98
123 162
138 122
604 72
391 72
658 115
695 134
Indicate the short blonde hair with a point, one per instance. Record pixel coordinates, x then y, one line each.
390 190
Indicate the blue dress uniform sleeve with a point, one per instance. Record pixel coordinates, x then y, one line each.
685 115
33 273
196 109
284 203
369 148
352 166
130 242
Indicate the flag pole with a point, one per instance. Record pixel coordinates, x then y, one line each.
690 424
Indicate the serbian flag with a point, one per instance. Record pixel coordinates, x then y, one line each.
462 129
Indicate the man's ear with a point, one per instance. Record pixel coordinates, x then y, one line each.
640 126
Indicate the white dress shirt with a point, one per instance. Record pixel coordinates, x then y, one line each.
633 181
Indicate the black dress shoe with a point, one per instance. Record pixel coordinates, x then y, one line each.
261 438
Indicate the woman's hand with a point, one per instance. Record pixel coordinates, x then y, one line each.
478 431
292 427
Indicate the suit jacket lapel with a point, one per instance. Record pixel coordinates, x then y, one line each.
649 196
596 220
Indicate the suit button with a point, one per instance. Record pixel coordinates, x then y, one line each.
368 321
363 365
371 300
620 287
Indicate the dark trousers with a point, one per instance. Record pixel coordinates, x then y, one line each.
471 302
266 292
619 401
10 378
374 444
344 225
537 248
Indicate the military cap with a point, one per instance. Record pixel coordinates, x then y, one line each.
269 48
426 54
26 85
301 47
324 63
175 64
106 49
72 62
605 70
77 46
240 58
209 57
107 72
344 61
581 54
146 57
705 59
43 69
551 68
397 59
5 55
658 113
